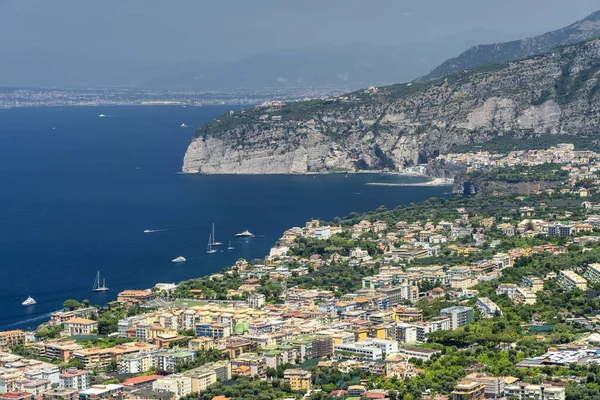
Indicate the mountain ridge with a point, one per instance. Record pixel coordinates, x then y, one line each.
582 30
405 124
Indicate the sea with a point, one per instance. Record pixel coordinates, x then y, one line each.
78 191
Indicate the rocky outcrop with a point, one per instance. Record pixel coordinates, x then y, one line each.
410 123
476 56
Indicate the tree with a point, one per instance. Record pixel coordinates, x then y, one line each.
71 304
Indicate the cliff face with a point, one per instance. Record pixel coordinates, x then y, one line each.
404 124
585 29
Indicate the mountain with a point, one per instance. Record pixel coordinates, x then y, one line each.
393 126
338 66
585 29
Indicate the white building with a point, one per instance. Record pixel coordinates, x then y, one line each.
177 384
74 379
358 253
322 232
257 300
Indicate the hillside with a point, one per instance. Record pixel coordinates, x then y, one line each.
398 125
585 29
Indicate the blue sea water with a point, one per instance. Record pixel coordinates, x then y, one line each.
78 191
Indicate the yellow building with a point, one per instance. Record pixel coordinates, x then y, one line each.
361 334
298 379
11 338
201 343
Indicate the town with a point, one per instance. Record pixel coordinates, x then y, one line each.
453 298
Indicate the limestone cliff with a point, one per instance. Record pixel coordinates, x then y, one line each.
398 125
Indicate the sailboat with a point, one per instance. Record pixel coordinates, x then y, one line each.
230 247
209 248
183 125
97 287
213 243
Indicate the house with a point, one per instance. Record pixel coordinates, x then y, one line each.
80 326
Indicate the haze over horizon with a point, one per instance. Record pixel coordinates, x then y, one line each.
68 42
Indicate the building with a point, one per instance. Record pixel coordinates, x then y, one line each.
59 350
569 280
494 386
204 376
358 351
298 379
524 296
249 365
11 338
468 390
418 352
526 391
488 308
169 360
459 316
16 396
560 230
257 300
80 326
508 289
592 273
100 392
533 283
133 297
178 384
74 379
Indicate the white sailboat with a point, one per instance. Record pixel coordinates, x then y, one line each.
183 125
97 287
230 247
214 243
209 248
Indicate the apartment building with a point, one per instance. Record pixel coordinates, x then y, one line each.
569 280
459 316
298 379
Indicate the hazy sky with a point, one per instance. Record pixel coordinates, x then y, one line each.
153 31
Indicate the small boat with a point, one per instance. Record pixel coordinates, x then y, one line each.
209 249
214 243
179 259
97 287
101 116
29 302
230 247
246 233
183 125
147 230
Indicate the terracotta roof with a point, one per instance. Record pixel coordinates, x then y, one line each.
140 379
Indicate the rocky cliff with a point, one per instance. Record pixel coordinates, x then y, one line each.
585 29
398 125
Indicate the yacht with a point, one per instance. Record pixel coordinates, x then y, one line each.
97 287
29 302
209 249
179 259
183 125
246 233
230 247
147 231
101 116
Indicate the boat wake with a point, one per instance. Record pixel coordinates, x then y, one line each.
24 322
